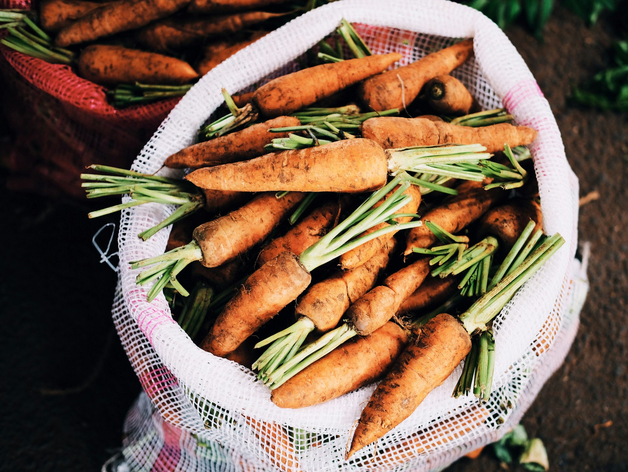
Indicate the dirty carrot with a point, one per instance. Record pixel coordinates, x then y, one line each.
443 342
56 14
219 6
425 363
116 17
506 222
289 93
216 53
304 234
350 366
446 95
220 240
232 147
173 34
395 132
349 166
111 65
434 290
308 170
397 88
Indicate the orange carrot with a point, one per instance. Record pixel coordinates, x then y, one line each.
224 275
232 147
225 238
363 253
276 444
420 442
305 233
242 99
397 88
447 95
434 290
264 294
289 93
173 34
244 354
112 65
424 365
216 53
325 302
219 6
115 17
508 221
380 304
455 214
218 202
356 363
354 165
57 14
394 132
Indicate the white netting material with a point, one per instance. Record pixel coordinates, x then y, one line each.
216 401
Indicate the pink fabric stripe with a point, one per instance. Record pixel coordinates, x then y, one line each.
521 92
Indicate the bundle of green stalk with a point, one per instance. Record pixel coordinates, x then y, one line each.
142 49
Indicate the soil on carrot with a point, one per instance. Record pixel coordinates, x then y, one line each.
67 384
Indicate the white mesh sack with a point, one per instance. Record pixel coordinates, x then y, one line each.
217 416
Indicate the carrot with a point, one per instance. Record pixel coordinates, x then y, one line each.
363 253
220 240
443 343
434 290
232 147
325 302
420 442
57 14
394 132
216 53
507 221
275 442
424 365
454 215
376 307
397 88
224 275
255 304
217 202
448 96
314 169
115 17
243 355
289 93
225 238
173 34
242 99
219 6
350 366
111 65
303 234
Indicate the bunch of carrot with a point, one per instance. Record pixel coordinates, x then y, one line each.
386 312
147 47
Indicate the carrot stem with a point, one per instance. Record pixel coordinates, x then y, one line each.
512 254
491 303
302 208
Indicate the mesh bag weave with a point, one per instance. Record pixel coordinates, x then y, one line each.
208 413
63 123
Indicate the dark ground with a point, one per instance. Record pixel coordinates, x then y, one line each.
66 383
